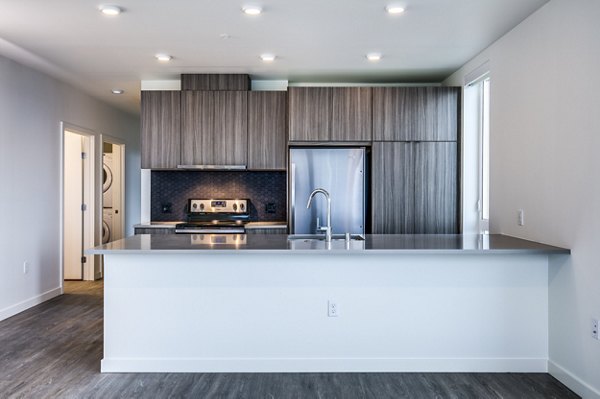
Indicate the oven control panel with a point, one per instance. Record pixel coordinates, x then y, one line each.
218 206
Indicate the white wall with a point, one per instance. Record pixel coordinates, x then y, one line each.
545 141
32 105
397 312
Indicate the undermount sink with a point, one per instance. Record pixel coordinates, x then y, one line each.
321 237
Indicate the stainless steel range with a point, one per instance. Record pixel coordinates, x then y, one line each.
215 216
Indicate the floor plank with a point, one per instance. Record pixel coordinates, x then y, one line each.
54 349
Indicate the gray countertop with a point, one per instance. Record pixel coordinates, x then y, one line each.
279 243
250 226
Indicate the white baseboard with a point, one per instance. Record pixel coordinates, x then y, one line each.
28 303
290 365
576 384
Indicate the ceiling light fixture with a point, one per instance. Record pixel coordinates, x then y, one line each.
110 10
267 57
374 57
163 57
117 91
394 9
252 10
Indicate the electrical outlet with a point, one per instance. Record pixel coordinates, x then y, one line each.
333 309
521 217
270 207
595 328
26 267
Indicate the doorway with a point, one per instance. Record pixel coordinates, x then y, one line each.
78 204
113 189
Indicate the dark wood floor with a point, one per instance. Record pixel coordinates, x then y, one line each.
54 351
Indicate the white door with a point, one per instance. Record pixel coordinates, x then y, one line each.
73 213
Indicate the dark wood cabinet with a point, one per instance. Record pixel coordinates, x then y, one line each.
310 113
236 82
266 230
351 118
436 191
393 208
267 147
414 187
160 129
415 113
330 114
154 230
214 128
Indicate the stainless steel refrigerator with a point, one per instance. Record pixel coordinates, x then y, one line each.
341 172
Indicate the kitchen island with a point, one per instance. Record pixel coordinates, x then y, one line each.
263 303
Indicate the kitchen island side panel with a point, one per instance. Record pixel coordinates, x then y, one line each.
268 313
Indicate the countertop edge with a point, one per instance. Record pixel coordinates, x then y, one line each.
249 226
360 252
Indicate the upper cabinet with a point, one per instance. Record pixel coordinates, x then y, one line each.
238 82
415 113
351 118
267 145
160 129
330 114
310 113
214 128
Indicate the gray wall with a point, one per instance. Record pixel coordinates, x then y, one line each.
544 144
32 105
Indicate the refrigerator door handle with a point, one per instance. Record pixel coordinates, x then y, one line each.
293 200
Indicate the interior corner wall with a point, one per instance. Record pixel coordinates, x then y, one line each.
544 146
32 105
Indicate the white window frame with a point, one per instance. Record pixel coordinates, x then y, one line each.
483 86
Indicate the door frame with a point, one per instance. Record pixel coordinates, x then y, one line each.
90 196
121 205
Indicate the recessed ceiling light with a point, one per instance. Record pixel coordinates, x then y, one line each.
252 10
163 57
374 57
117 91
267 57
110 10
394 9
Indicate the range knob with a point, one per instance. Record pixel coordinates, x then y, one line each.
241 207
194 206
234 207
201 207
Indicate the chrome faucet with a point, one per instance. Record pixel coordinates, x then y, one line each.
327 228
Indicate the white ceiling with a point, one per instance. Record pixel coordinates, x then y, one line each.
314 40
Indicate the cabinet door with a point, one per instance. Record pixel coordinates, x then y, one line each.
197 128
215 82
214 128
351 114
310 113
160 129
230 130
266 130
436 206
415 113
393 188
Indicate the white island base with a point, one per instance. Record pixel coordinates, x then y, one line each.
244 311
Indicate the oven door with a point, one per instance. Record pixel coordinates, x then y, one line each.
218 239
192 228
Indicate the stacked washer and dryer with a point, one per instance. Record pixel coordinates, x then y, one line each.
107 195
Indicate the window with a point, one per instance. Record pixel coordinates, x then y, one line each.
476 151
482 85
